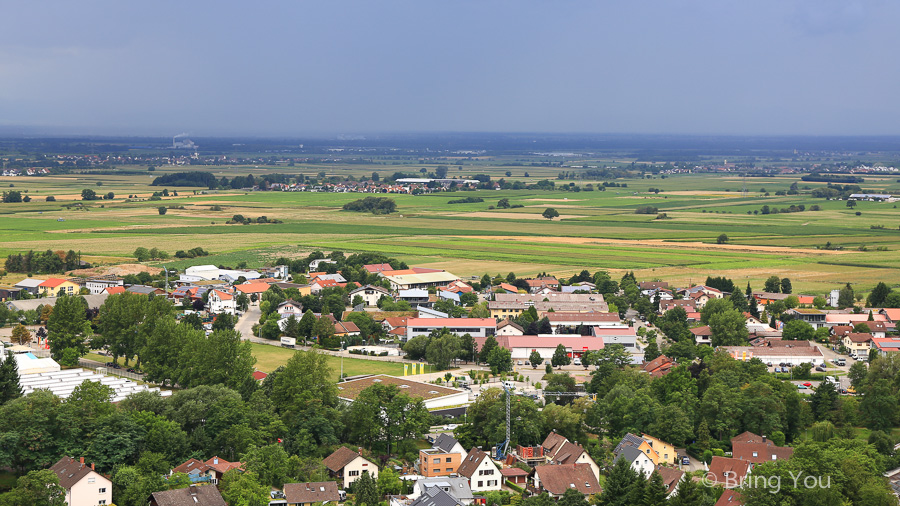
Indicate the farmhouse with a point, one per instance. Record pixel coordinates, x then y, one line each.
410 279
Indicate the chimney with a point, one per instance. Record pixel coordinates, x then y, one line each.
82 461
764 439
92 466
359 450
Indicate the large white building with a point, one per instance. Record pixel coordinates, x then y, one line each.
419 279
475 327
435 397
520 347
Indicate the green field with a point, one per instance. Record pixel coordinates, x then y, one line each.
269 358
596 229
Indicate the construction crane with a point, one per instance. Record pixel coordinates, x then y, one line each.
503 447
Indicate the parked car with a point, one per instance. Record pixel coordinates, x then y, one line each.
518 362
820 368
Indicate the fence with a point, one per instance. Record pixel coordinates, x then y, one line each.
111 371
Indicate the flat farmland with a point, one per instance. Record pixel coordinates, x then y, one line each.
597 229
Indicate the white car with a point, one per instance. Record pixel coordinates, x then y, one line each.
577 361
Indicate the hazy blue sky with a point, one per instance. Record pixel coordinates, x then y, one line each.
325 67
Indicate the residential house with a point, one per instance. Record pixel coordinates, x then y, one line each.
449 444
659 366
84 486
758 452
687 305
218 467
730 498
456 486
671 478
508 328
190 496
55 287
435 496
220 301
506 288
196 470
437 462
535 285
555 479
113 290
515 475
650 287
348 465
320 284
639 443
557 449
886 345
288 308
308 494
458 287
728 472
702 335
346 329
481 471
858 344
877 329
252 288
667 453
370 294
638 460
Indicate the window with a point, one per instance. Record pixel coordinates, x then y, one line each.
353 473
480 484
755 454
92 479
449 469
103 490
448 459
437 461
102 501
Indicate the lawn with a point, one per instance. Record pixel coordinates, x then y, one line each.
269 358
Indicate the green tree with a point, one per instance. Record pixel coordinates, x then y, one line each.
618 484
141 254
389 482
798 330
857 375
535 359
307 322
728 328
500 360
88 194
385 416
722 239
242 488
366 490
773 284
656 491
417 347
560 357
9 380
879 295
503 204
68 329
786 285
489 344
162 210
21 334
442 350
819 302
37 488
572 497
324 331
550 213
846 297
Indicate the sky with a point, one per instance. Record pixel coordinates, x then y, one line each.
299 68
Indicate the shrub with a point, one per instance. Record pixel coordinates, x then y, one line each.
646 210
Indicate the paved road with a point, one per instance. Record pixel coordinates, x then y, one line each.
247 321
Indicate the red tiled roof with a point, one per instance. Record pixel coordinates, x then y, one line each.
728 472
112 290
764 451
557 478
701 331
223 295
52 283
340 458
259 375
222 466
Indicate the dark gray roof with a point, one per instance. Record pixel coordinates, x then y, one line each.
445 442
207 495
629 453
146 290
629 440
434 496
